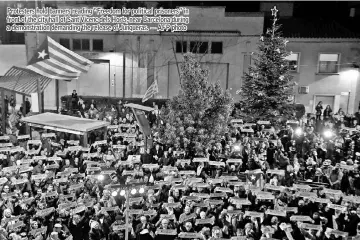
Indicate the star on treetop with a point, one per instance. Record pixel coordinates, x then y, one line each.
274 11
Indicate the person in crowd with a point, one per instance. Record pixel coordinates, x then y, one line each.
319 109
27 106
327 113
74 100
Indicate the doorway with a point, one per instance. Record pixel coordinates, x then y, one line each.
326 100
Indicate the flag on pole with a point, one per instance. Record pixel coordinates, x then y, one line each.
151 91
54 61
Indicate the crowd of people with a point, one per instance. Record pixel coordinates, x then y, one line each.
297 182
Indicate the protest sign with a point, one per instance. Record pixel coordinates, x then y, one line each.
200 195
45 212
120 227
311 226
274 188
172 232
300 218
172 205
23 137
337 207
41 230
223 189
276 213
187 172
240 201
215 181
110 209
229 178
289 209
218 195
16 225
79 209
254 214
48 135
190 235
234 212
214 202
183 161
198 160
216 163
205 221
150 213
76 186
166 216
234 160
337 232
136 211
276 172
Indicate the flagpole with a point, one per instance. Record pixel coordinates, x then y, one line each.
38 80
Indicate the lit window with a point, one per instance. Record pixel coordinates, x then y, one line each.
328 63
293 60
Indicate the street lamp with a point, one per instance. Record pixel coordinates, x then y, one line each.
127 189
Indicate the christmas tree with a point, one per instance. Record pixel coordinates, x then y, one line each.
267 91
198 116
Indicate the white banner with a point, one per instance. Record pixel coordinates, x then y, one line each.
34 102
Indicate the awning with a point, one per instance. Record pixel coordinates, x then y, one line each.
64 123
23 81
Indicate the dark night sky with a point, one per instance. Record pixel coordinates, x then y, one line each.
331 9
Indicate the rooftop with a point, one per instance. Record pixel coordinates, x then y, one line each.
313 28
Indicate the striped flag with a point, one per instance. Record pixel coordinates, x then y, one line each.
151 91
57 62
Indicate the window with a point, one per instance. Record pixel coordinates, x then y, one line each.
85 44
247 63
98 45
328 63
65 42
293 60
199 47
81 44
181 46
217 47
76 44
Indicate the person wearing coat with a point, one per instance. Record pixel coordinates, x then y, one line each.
144 230
95 232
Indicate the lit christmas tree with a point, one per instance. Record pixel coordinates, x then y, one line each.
267 91
198 116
